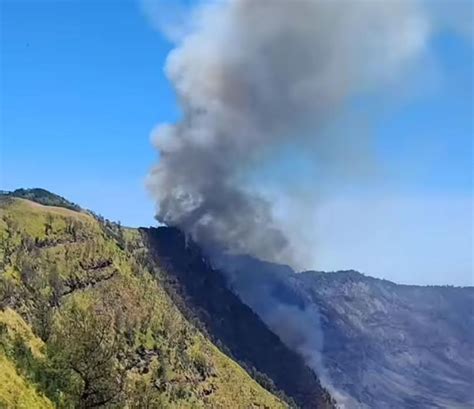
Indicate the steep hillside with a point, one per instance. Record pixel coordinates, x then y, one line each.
85 323
202 294
375 343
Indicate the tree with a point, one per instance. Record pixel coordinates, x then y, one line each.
85 342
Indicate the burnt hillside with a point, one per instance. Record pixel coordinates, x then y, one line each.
201 293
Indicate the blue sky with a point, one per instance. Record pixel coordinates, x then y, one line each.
82 86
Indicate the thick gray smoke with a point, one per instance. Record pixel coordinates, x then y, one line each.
253 77
259 83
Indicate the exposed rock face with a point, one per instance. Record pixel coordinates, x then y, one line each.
396 346
375 343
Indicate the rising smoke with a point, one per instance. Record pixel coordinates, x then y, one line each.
253 78
259 83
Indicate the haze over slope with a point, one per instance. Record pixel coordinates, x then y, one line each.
201 292
408 346
374 343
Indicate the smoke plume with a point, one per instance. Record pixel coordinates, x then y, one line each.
255 78
263 85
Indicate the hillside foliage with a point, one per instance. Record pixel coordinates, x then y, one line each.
84 323
43 197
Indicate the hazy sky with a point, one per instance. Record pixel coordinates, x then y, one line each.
82 86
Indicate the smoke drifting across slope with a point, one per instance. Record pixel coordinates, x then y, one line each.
257 78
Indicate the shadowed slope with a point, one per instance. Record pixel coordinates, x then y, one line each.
201 291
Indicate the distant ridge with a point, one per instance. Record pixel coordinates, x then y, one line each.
43 197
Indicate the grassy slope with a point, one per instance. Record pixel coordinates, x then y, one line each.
15 390
83 322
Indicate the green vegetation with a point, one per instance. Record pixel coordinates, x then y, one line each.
84 322
43 197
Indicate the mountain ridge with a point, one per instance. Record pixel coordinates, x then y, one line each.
372 342
357 274
84 322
